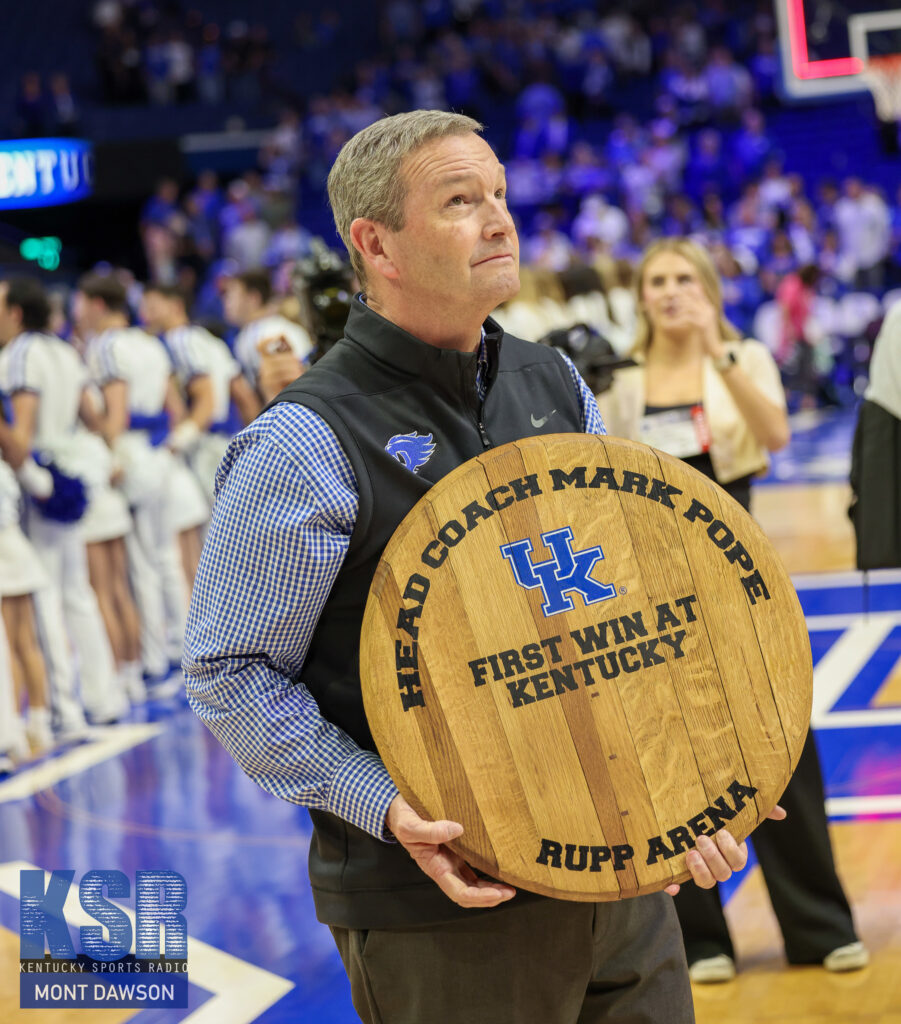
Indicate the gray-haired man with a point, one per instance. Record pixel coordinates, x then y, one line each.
308 497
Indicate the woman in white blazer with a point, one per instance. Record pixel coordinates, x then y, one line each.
700 393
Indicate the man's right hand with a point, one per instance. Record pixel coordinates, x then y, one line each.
424 841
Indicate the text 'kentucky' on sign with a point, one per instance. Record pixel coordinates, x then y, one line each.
589 655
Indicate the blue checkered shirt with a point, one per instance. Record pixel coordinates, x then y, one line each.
286 503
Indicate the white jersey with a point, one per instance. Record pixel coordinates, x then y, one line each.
141 361
51 369
137 358
197 353
270 327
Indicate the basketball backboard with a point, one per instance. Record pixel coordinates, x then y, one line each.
825 44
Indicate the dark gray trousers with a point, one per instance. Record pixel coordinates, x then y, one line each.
796 859
545 962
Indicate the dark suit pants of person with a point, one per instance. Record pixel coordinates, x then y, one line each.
795 856
542 962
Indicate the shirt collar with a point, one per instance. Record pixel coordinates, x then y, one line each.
398 348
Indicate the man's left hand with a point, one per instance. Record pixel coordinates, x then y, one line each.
715 858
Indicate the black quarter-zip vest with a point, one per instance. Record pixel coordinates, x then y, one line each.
379 382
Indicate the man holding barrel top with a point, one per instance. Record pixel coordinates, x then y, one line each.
307 498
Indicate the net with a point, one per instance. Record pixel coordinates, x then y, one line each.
883 76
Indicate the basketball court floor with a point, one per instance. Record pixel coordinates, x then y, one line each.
160 793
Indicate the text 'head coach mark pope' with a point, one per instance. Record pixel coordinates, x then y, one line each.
308 495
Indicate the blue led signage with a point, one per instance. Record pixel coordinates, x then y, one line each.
44 172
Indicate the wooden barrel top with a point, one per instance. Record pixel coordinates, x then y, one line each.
588 654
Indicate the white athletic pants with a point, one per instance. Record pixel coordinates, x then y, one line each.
157 580
175 599
66 711
62 552
205 460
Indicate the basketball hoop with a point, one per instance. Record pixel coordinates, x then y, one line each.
883 76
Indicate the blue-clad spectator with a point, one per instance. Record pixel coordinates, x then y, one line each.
666 154
210 77
541 100
730 87
31 111
781 259
896 237
586 171
751 146
529 139
803 231
65 116
827 196
402 22
837 267
765 70
742 294
596 85
162 205
208 195
713 226
461 83
748 230
775 187
686 83
156 63
681 217
706 171
625 142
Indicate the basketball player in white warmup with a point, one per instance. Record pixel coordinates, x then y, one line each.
133 370
44 379
210 378
247 305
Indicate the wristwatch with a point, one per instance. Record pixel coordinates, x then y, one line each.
726 361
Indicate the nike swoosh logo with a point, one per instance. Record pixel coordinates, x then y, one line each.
541 422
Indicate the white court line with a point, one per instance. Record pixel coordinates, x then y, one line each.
842 662
832 677
815 622
853 578
115 740
241 991
842 805
868 718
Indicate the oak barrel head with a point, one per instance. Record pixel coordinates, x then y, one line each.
588 654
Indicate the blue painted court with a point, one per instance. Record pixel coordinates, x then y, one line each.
162 793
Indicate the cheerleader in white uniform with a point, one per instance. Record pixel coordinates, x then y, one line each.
44 379
210 379
22 575
133 369
14 746
105 527
246 303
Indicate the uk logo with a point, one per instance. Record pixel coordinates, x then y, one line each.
566 571
411 450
